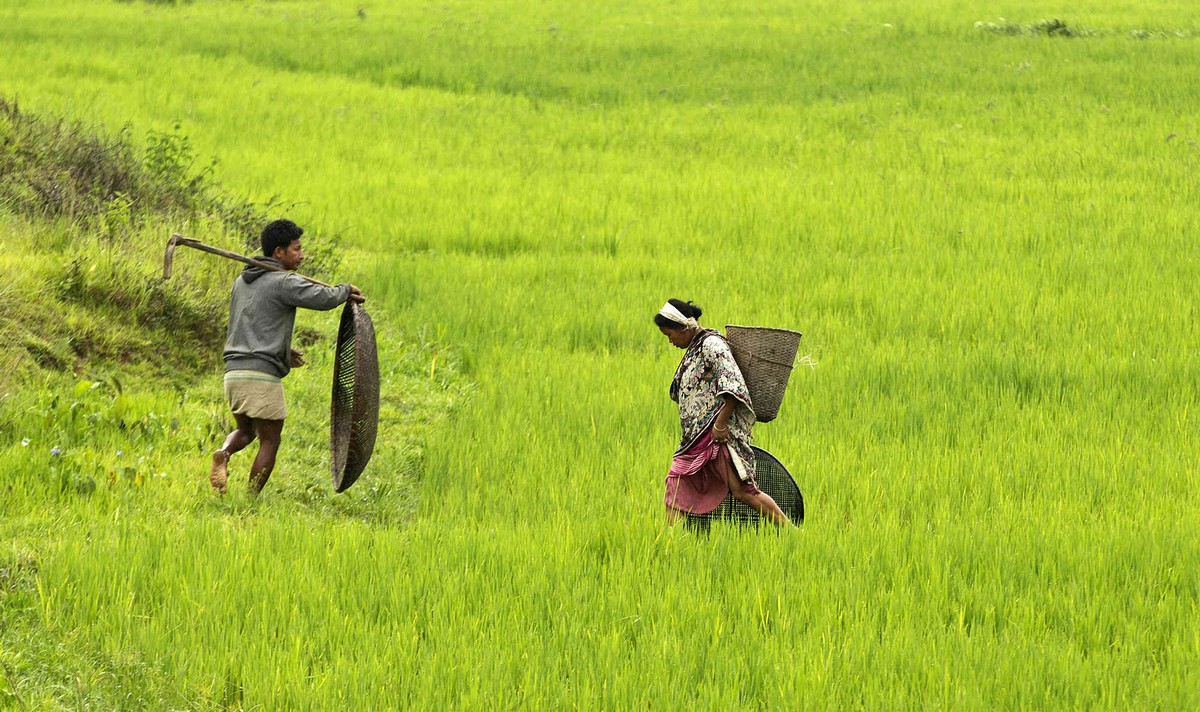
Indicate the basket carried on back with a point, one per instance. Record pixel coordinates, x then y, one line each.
773 479
765 357
354 408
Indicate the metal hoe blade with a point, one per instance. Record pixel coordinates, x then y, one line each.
170 255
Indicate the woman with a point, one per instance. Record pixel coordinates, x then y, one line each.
714 457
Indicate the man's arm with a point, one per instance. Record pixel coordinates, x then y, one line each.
301 293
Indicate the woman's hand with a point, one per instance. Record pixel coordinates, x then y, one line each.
720 431
297 359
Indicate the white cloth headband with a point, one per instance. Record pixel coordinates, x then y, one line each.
669 311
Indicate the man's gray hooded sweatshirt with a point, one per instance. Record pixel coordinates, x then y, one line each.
262 313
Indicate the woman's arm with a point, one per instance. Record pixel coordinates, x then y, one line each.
720 430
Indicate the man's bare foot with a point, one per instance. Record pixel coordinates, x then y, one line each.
219 473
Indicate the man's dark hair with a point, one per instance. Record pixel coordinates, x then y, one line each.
686 308
279 233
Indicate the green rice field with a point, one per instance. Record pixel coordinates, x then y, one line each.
979 214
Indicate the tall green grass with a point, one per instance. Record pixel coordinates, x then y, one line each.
983 237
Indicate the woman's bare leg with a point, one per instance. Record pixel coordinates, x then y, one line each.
761 502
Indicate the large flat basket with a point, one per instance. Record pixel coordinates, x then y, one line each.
773 479
354 407
766 357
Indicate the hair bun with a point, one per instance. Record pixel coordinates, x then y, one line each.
686 308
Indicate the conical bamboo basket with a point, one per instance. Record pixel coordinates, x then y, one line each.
766 357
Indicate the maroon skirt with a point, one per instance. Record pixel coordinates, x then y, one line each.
699 478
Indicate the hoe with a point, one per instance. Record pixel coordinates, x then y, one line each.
177 240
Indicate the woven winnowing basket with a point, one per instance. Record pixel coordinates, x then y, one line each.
354 408
773 479
765 357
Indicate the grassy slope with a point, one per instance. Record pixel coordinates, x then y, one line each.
984 238
110 393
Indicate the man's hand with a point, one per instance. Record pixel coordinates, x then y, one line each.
297 359
356 296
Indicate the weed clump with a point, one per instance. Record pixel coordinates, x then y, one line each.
52 168
1144 33
1048 28
160 2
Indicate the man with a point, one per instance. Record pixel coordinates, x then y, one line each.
258 350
